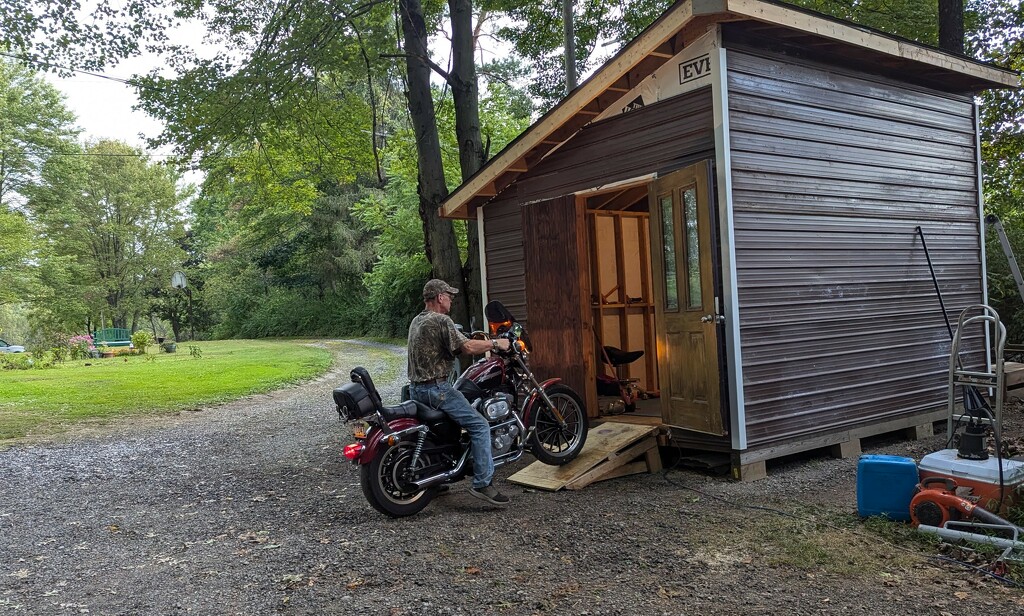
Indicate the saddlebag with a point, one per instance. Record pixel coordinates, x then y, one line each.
353 401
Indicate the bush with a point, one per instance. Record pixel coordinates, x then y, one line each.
79 346
16 361
285 312
140 340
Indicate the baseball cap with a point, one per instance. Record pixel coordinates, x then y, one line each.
435 287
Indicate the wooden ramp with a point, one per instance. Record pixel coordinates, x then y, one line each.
612 450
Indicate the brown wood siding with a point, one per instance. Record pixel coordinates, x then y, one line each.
553 270
505 258
832 171
661 137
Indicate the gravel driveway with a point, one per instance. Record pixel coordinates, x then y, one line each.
248 508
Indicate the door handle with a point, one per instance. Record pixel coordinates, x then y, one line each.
713 318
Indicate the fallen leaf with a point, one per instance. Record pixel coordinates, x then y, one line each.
961 595
472 570
355 584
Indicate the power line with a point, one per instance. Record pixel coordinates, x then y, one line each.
37 61
114 155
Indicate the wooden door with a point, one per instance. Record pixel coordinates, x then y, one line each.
682 245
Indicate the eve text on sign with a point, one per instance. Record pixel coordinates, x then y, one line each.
695 68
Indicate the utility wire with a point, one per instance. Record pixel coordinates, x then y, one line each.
48 64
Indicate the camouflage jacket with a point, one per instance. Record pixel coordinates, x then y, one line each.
433 344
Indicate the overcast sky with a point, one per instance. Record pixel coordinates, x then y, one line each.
104 107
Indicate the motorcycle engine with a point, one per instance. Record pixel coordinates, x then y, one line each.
498 407
502 438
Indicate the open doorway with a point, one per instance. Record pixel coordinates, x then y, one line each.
622 300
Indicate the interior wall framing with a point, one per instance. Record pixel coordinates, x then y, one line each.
621 296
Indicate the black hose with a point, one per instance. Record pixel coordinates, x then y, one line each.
971 394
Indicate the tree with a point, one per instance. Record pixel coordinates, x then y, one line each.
34 124
118 218
951 25
439 235
15 251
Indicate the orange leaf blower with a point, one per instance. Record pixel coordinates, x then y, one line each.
935 503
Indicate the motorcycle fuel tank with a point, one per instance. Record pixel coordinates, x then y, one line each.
488 373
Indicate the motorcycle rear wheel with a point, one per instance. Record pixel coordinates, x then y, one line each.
386 487
551 443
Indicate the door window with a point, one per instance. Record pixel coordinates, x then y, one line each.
693 292
668 240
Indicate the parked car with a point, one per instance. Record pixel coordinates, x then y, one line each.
10 348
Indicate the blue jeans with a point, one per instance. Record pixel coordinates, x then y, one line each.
446 398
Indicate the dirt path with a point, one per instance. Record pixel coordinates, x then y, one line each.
247 508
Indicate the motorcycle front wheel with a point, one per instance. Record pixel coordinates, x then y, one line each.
385 482
553 442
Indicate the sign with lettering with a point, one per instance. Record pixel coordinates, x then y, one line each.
688 70
694 69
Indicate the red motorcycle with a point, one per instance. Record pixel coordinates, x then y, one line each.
406 451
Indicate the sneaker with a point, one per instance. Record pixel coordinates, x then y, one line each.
490 494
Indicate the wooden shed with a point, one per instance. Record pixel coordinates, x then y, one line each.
736 193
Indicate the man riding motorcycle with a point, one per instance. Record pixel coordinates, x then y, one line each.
434 342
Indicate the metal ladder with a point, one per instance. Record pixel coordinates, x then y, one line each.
993 221
995 379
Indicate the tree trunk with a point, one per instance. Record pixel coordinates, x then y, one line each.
466 96
951 26
438 234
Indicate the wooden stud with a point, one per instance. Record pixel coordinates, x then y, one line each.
613 462
653 459
583 255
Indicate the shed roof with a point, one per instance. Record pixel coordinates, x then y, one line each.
678 27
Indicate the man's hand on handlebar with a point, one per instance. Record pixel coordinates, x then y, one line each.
479 347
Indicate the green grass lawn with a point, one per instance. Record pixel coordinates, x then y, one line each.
38 402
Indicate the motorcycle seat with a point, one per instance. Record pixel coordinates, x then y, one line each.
412 409
617 357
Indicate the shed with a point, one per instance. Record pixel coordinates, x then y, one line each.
737 193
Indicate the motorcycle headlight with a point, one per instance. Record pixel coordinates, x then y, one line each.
498 407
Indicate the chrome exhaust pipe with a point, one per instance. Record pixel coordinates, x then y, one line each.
445 476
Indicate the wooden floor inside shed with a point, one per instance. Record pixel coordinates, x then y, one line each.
647 411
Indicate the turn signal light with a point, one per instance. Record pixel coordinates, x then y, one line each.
352 451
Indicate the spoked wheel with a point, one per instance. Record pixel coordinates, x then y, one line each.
558 441
385 482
